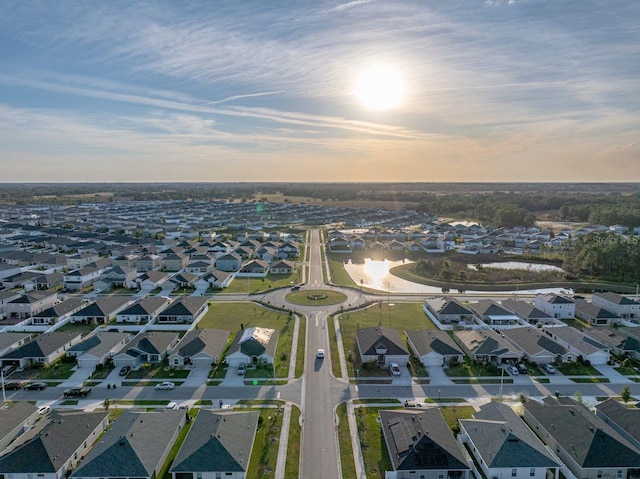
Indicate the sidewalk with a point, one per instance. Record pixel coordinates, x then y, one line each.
343 361
294 348
284 442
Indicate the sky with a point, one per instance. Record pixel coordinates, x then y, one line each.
283 91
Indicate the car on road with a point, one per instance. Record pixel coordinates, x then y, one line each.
549 369
44 410
320 354
295 287
13 385
124 370
513 370
37 386
242 369
165 386
394 368
77 392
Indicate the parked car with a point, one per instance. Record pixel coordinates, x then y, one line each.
13 385
522 368
513 370
242 369
171 405
165 386
124 370
37 386
394 368
44 410
412 404
77 392
320 354
548 368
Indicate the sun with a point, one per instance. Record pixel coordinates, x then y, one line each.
380 88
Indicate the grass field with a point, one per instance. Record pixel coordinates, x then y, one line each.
81 328
292 467
230 316
265 446
316 297
471 368
374 449
339 275
399 316
254 285
344 440
302 340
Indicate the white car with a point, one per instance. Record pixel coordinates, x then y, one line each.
44 409
242 369
320 354
513 370
171 405
167 386
394 368
549 368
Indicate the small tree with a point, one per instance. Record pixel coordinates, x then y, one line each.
625 394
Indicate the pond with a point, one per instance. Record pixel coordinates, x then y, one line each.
374 274
517 265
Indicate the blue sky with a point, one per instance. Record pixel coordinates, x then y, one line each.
495 90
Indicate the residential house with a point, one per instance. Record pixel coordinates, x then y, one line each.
199 348
199 267
588 446
289 249
595 315
58 311
7 297
555 305
255 268
252 346
537 347
421 445
54 446
623 419
622 306
447 310
19 279
122 276
492 313
146 347
229 262
30 304
81 260
434 348
486 345
136 446
339 245
620 341
151 279
10 341
184 280
580 345
102 311
143 311
503 445
266 253
215 279
148 262
282 267
82 278
174 262
381 346
15 417
42 350
44 281
527 312
97 348
184 310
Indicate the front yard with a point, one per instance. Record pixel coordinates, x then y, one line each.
158 371
470 368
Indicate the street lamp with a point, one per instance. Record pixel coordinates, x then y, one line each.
439 391
357 372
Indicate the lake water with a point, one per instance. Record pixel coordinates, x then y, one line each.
375 274
518 265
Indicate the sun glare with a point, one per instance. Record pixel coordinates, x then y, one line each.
380 88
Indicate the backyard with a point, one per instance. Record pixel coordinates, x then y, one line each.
399 316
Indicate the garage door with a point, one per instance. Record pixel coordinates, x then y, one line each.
202 362
432 360
87 362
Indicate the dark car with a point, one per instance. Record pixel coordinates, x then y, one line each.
77 392
13 385
522 368
35 386
124 370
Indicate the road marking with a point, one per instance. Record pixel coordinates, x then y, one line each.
278 394
356 388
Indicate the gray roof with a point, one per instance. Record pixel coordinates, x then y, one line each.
485 342
578 339
60 309
50 444
218 441
100 343
208 341
426 341
503 440
152 342
9 339
590 441
255 341
133 446
554 298
370 339
625 418
525 310
144 306
616 298
616 338
420 440
448 306
42 345
104 306
534 341
591 310
185 306
14 413
488 307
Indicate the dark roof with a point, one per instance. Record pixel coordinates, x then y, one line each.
218 441
420 440
533 341
488 307
60 309
590 441
185 306
209 341
593 311
100 343
14 413
625 418
255 341
133 446
103 307
42 345
144 306
425 341
48 446
555 298
370 339
616 298
152 342
524 309
503 440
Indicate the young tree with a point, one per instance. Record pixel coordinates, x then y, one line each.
625 394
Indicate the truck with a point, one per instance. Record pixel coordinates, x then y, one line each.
77 392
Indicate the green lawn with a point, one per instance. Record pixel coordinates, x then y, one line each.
82 328
339 275
333 350
164 472
229 316
576 368
374 449
301 345
471 368
265 446
400 316
255 285
61 369
312 297
451 415
344 440
292 467
158 371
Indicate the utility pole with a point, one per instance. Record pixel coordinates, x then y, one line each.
4 397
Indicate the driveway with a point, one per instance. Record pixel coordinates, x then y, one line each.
233 378
78 377
437 375
197 377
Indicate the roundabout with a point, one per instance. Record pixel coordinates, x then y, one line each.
316 297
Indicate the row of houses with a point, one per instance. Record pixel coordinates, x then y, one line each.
84 445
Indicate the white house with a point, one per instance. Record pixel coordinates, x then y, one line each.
555 305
